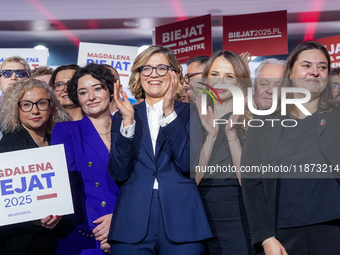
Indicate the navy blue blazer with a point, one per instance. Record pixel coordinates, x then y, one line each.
87 158
134 166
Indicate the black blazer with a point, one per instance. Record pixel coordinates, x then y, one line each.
24 238
261 145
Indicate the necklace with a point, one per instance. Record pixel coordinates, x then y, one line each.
105 133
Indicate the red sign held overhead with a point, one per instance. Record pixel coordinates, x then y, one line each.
261 34
332 44
188 38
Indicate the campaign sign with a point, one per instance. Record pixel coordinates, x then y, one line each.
332 44
33 57
117 56
188 38
34 184
261 34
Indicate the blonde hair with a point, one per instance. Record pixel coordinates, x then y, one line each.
17 59
135 83
9 109
41 70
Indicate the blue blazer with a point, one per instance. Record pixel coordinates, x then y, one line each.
134 166
87 158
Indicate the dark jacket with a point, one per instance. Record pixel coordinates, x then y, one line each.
260 147
24 238
134 166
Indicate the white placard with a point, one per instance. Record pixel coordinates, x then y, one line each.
34 183
120 57
33 57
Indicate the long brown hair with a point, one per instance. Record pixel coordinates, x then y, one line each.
243 82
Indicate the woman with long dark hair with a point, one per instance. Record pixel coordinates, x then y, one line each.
221 191
87 147
297 211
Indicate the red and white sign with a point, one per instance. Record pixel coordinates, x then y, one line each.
188 38
332 44
261 34
35 186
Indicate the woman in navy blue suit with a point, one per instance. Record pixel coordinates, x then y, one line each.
87 146
159 209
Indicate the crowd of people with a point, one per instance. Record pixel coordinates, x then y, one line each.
136 170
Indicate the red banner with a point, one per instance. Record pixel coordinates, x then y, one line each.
261 34
188 38
332 44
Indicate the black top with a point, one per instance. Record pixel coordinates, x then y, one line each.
261 148
18 140
221 160
312 197
24 238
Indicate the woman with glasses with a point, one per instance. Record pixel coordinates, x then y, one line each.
159 210
87 146
13 69
221 190
59 80
28 113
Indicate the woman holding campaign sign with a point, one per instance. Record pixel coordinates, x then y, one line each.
221 190
28 113
297 211
159 209
87 146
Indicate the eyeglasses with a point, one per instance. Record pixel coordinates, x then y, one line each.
188 76
161 69
60 86
336 86
18 73
27 106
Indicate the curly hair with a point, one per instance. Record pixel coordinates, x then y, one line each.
17 59
62 68
97 71
135 83
9 109
41 70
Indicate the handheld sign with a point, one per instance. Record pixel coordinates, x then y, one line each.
262 34
332 44
33 57
34 183
187 38
118 56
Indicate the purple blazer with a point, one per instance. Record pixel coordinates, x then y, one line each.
93 190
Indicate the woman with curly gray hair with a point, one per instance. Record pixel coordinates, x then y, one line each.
28 113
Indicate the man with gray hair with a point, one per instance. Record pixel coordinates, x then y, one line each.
267 76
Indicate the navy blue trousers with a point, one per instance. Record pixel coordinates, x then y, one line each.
156 240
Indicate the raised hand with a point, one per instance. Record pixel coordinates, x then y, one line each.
170 95
124 107
208 119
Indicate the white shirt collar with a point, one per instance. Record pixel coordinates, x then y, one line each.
158 107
